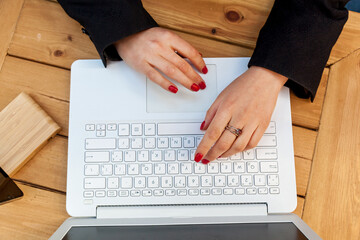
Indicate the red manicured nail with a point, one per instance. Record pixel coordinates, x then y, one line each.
205 161
198 157
173 89
204 70
202 125
200 54
195 87
202 85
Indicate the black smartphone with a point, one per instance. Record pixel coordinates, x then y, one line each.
8 189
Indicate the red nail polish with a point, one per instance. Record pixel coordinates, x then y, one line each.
198 157
200 54
205 161
173 89
202 125
202 85
195 87
204 70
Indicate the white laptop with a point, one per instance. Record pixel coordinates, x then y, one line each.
131 168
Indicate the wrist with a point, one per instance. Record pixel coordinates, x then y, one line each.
269 77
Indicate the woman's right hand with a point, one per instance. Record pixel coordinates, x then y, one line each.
153 50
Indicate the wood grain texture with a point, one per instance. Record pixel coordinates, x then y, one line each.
304 142
36 216
302 171
332 205
9 12
24 129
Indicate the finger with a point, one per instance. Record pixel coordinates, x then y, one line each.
221 146
255 138
210 115
173 72
212 134
188 51
241 142
184 67
159 79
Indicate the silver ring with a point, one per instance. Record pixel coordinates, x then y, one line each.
233 130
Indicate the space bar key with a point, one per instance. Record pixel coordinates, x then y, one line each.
192 128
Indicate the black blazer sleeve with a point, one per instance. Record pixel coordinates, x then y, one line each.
107 21
296 41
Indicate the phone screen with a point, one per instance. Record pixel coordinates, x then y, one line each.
8 189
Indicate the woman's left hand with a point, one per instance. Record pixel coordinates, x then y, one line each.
247 103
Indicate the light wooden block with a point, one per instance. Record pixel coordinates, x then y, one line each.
24 129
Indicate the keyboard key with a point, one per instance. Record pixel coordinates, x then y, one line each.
111 193
183 155
123 193
113 183
186 168
129 156
94 183
180 182
143 156
159 168
198 140
146 169
263 190
136 143
124 129
124 143
133 169
260 180
90 127
251 191
156 156
192 154
267 141
149 143
213 167
216 191
268 167
100 193
163 142
119 169
206 181
92 170
233 181
166 182
135 193
200 168
266 153
189 142
100 143
193 181
100 127
88 194
205 191
170 192
94 157
239 191
136 129
182 192
106 170
246 180
100 133
139 182
111 127
147 193
170 155
236 156
158 192
220 181
150 129
249 154
175 142
126 183
228 191
271 128
165 129
273 180
226 167
193 192
274 190
173 168
153 182
252 167
117 156
239 167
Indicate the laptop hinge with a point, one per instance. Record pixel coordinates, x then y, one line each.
182 211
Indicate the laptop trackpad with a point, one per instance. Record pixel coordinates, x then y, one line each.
159 100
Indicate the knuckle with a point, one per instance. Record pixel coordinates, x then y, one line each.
170 70
167 34
193 53
183 66
154 44
222 146
213 134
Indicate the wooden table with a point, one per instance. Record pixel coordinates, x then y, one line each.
38 43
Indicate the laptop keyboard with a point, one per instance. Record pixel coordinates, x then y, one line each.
157 159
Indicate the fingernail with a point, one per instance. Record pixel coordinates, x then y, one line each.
200 54
219 156
195 87
204 70
202 125
173 89
198 157
205 161
202 85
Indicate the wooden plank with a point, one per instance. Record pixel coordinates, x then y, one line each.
304 142
306 113
24 129
332 206
348 41
302 170
300 206
36 216
46 34
9 12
